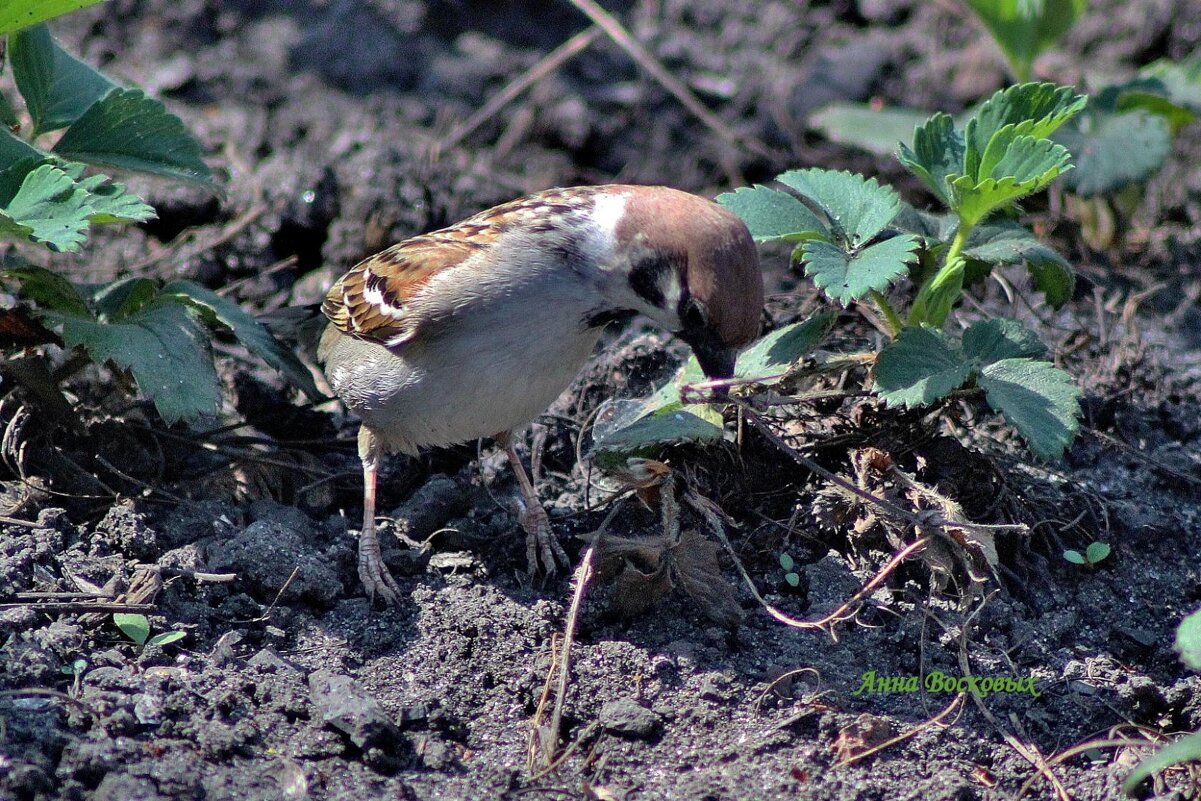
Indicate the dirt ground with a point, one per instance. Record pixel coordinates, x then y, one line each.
334 123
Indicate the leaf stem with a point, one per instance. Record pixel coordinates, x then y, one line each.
938 294
890 316
958 243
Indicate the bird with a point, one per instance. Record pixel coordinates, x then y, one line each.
472 331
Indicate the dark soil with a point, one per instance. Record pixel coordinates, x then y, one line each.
326 119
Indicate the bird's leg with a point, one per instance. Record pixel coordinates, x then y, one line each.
372 571
542 550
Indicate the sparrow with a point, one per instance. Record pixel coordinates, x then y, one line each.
474 330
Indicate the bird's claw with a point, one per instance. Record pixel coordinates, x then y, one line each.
375 576
543 552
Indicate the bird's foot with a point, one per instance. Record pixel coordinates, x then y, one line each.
374 573
542 551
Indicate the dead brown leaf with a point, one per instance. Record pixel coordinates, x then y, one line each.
645 570
867 732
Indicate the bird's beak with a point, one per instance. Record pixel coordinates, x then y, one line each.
717 361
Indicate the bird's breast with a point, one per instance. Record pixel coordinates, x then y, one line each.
493 370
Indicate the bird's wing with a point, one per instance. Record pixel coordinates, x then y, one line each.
374 301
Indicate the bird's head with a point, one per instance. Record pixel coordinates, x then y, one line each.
692 267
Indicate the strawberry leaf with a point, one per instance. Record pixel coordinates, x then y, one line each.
48 289
1028 165
672 424
58 88
858 208
1188 640
988 341
775 352
878 131
18 14
920 366
43 205
1023 29
1010 243
249 331
1033 110
772 215
1038 399
165 349
129 131
847 275
936 155
113 203
1113 150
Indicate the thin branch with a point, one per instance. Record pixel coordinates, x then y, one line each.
635 50
548 64
542 740
81 606
956 702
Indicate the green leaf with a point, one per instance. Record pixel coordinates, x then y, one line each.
849 275
117 300
1025 28
129 131
1039 400
988 341
878 131
112 203
1011 243
1188 640
166 638
1097 552
772 215
1029 160
936 155
1112 150
8 115
786 562
1028 166
134 626
16 15
793 579
78 666
1075 557
858 208
669 393
918 367
1180 80
48 289
1035 110
46 207
15 150
669 426
932 229
1186 749
249 331
662 418
58 88
164 348
775 352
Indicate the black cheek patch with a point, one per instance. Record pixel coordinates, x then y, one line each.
647 277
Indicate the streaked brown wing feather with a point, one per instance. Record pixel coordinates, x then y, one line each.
372 300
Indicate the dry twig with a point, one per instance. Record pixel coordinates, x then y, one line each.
545 66
543 739
635 50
